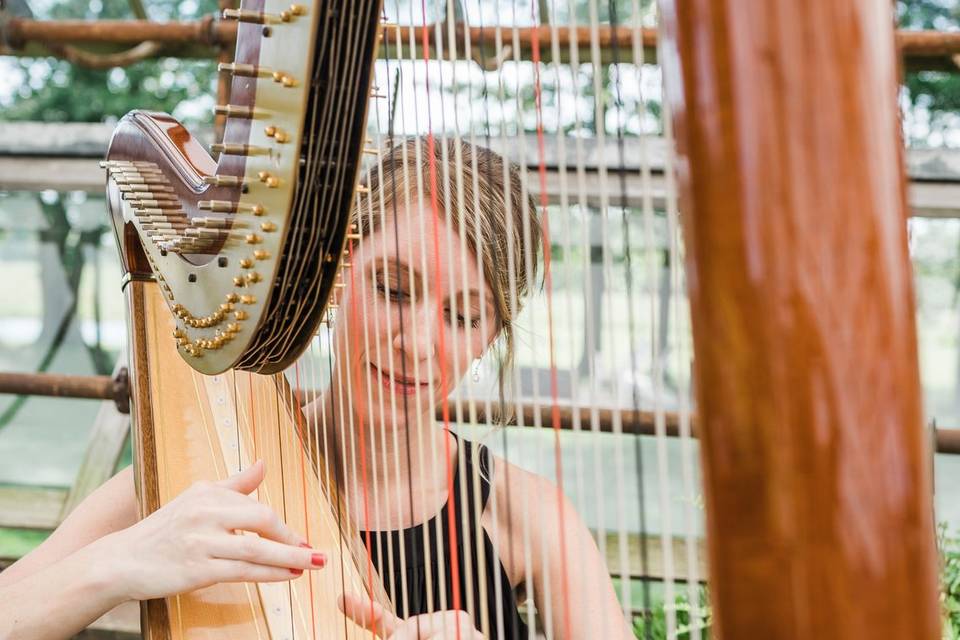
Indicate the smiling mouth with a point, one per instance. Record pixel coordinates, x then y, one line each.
407 386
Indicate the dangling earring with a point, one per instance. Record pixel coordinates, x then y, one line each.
476 371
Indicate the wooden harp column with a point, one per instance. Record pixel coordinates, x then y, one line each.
816 468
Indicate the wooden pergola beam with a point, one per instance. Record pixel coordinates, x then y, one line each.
206 38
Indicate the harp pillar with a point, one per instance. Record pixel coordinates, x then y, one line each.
816 465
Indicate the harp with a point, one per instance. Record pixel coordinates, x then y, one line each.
796 266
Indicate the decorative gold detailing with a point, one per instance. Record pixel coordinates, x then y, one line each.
269 130
298 10
239 281
261 254
252 238
263 175
241 315
273 182
253 277
232 297
232 149
282 137
268 226
246 263
284 79
248 299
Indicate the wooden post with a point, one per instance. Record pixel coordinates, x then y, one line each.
816 465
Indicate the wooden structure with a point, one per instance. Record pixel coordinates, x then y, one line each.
816 469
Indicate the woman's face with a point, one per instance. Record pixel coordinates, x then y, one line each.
415 312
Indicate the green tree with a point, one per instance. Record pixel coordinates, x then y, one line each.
936 93
56 91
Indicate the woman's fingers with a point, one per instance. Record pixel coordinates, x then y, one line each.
369 614
441 624
246 481
240 512
262 551
241 571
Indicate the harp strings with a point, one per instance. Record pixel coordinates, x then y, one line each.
347 426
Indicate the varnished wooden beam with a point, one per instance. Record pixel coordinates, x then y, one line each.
816 467
207 38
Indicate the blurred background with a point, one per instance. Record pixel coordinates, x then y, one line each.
62 310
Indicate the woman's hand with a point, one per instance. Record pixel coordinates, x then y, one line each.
191 543
450 625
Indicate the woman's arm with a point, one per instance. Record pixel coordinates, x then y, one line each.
188 544
587 607
112 507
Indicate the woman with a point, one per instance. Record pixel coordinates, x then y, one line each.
437 277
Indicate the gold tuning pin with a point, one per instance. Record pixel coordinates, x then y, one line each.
255 17
298 10
211 223
236 111
232 149
224 181
245 70
228 206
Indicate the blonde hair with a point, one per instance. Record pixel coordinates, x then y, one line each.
487 204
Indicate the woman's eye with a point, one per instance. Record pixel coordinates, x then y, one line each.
462 321
393 294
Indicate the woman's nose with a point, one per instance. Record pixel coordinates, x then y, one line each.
417 337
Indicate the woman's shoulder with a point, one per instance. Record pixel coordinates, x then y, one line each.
528 510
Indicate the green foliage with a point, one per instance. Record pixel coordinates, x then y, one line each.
950 583
936 94
654 625
55 91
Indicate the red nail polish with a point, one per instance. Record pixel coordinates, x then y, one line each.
318 559
296 572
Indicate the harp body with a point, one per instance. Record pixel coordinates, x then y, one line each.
200 428
805 541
